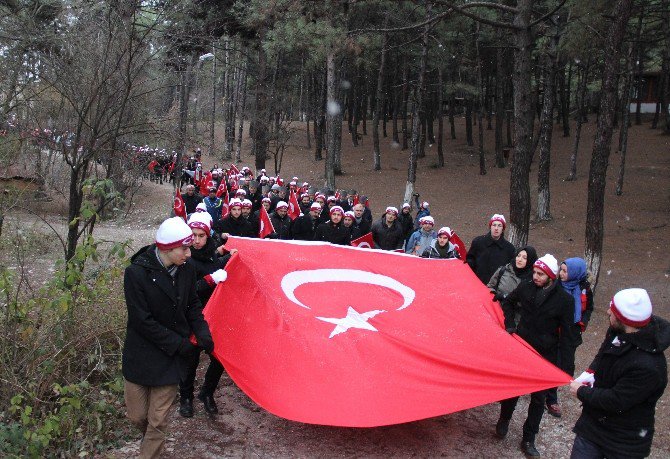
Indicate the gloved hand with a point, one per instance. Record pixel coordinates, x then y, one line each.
217 276
586 378
186 347
582 326
499 297
206 344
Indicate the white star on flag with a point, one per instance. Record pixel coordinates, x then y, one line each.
354 319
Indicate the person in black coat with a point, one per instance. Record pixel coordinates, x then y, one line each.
333 231
621 388
305 225
544 308
406 221
387 232
363 224
163 311
234 224
209 261
191 199
490 251
281 221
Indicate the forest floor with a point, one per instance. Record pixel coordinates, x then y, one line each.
635 253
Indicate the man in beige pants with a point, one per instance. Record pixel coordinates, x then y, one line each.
163 311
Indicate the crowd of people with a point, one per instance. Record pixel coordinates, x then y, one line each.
547 303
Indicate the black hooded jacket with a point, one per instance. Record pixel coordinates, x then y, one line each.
630 377
162 314
205 261
486 255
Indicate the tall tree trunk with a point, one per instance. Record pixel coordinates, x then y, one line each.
440 118
601 146
500 103
623 145
260 120
468 121
405 98
665 65
640 66
480 127
519 195
546 131
581 102
416 113
564 103
379 101
396 107
452 121
320 103
243 102
333 120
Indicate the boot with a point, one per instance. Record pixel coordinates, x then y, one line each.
528 448
209 403
186 407
502 427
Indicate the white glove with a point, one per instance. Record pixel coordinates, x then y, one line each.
586 379
219 276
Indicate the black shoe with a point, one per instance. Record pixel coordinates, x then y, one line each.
210 404
186 407
528 448
554 409
502 427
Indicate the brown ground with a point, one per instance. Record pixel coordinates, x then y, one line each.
636 241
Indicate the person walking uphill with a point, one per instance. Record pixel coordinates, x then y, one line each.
543 307
620 389
490 251
163 311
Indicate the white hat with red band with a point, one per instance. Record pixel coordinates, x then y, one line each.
498 218
632 307
391 210
336 209
282 205
200 220
173 233
427 219
548 264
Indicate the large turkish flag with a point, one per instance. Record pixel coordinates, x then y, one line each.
336 335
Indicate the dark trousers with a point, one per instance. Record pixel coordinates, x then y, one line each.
535 411
585 449
212 377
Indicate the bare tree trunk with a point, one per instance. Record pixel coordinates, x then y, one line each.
405 98
602 144
333 120
416 113
480 128
396 107
468 121
379 102
260 120
440 118
238 148
581 102
523 127
546 132
320 115
452 121
500 103
623 145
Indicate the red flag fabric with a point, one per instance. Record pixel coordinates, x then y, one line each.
293 206
178 206
225 207
265 225
338 336
460 246
233 168
364 241
221 189
355 200
205 183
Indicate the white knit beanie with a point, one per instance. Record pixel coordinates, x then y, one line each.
632 307
173 233
201 220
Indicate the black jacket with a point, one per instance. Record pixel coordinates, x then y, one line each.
282 225
542 312
486 255
385 237
190 202
407 223
206 261
235 227
333 233
162 314
304 228
618 411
